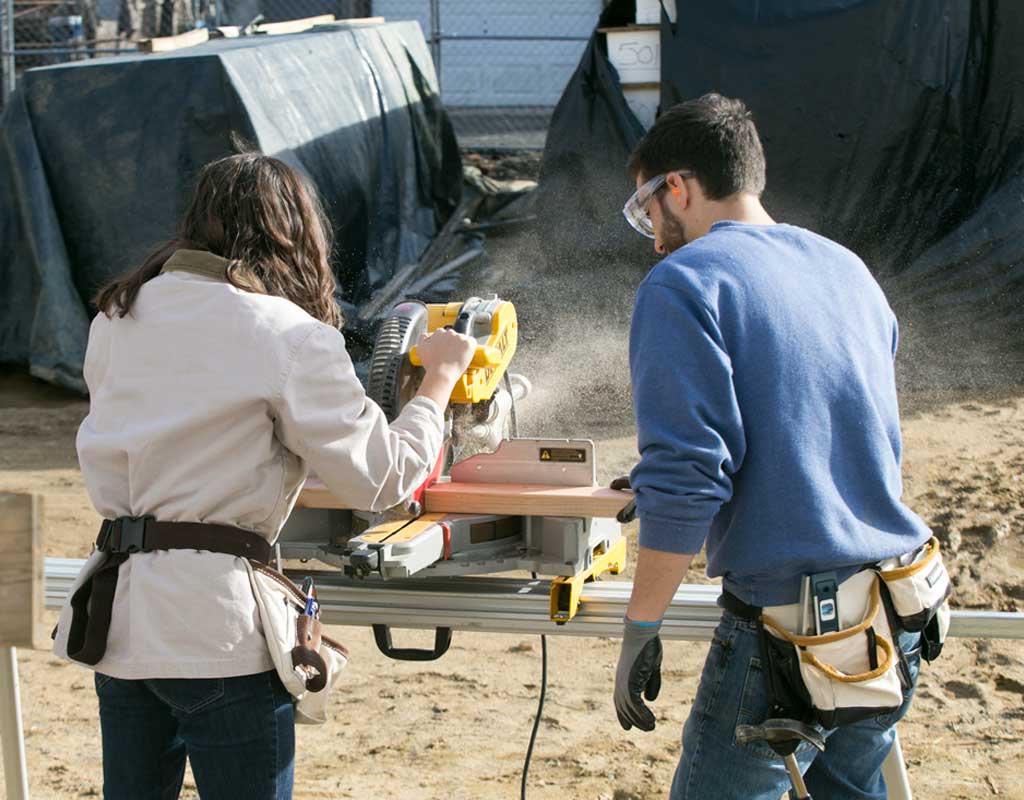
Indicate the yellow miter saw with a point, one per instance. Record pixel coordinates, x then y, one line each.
482 450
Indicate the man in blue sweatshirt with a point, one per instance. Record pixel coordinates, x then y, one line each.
761 357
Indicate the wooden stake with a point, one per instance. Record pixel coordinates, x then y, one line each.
21 571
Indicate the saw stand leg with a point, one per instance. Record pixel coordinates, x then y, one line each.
11 735
566 592
897 783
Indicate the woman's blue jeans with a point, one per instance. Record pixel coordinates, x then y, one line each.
238 734
732 692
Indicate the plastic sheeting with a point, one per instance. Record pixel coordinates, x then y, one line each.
893 126
583 176
97 159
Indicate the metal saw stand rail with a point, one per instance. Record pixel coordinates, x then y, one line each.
519 606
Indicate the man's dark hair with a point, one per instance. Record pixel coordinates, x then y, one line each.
712 136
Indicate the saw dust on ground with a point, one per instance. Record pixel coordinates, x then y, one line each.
458 728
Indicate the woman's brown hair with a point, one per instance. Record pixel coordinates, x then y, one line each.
262 216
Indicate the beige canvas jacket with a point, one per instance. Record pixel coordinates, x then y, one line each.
208 404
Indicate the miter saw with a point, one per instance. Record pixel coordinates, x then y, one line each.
481 447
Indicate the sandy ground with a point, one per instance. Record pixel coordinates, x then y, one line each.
458 728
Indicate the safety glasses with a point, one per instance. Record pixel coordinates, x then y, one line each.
636 209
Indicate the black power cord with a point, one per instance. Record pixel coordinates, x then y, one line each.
540 708
514 427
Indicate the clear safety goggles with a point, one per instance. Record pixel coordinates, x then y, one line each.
637 207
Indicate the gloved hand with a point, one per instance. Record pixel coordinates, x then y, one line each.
628 513
639 671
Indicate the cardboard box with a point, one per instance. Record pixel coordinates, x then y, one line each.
635 52
643 100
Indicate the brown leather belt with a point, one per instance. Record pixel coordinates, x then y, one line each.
92 604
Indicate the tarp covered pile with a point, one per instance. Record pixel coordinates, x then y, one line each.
893 126
97 158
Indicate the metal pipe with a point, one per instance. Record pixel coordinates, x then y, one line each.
11 737
7 65
435 39
520 605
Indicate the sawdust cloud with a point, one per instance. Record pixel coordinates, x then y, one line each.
574 336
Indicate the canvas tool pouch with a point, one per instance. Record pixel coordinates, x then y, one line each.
837 678
853 673
307 661
919 595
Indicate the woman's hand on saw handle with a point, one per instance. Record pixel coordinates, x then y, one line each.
445 355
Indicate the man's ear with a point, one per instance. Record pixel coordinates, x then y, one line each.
678 189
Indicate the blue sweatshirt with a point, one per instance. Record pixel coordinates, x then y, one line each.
762 367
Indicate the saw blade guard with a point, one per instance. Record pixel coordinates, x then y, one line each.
393 379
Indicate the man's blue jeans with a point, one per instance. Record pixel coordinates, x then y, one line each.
238 734
732 692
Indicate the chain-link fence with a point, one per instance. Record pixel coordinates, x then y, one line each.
502 64
36 33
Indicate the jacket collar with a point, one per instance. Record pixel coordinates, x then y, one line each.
198 262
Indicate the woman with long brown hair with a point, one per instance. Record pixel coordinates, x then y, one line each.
217 374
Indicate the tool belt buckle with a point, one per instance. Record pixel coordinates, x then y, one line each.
133 534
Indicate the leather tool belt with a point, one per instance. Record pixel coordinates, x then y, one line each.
93 602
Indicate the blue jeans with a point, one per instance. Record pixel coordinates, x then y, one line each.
732 692
238 733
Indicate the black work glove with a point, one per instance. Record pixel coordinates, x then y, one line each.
639 672
628 513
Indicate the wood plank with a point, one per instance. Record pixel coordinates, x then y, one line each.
315 494
525 500
293 25
21 571
165 44
496 498
358 22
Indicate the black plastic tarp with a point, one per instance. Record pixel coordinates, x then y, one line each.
893 126
97 159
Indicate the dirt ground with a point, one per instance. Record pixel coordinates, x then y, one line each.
458 728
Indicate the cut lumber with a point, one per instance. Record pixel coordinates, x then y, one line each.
293 25
514 499
315 494
21 571
165 44
524 499
357 22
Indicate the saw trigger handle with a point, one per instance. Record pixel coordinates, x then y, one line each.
464 322
484 357
442 641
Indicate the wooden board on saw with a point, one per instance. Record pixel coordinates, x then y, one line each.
315 494
524 500
497 498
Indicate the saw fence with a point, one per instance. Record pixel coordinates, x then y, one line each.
495 605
